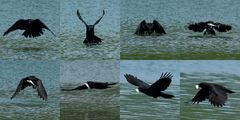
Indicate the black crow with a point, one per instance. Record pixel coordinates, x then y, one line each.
209 27
35 83
145 28
90 35
155 89
32 28
93 85
216 94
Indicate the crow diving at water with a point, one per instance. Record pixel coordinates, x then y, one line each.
154 90
90 35
209 27
145 28
93 85
216 94
35 83
32 28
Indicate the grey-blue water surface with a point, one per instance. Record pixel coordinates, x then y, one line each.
225 73
89 104
138 106
179 42
27 105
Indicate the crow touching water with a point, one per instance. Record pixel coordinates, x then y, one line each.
35 83
216 94
93 85
209 27
90 34
32 27
145 28
154 90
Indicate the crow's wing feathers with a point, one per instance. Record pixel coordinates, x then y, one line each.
41 90
158 27
217 96
19 88
163 82
222 27
22 85
39 24
112 83
135 81
20 24
197 27
200 96
141 28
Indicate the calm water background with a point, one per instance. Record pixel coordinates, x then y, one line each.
179 42
16 46
73 30
222 72
89 104
27 105
137 106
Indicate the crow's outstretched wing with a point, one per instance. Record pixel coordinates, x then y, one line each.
35 29
135 81
217 96
158 27
163 82
41 90
20 87
142 27
222 27
201 96
197 27
20 24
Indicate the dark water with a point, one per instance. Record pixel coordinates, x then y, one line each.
137 106
179 42
225 73
89 104
27 105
